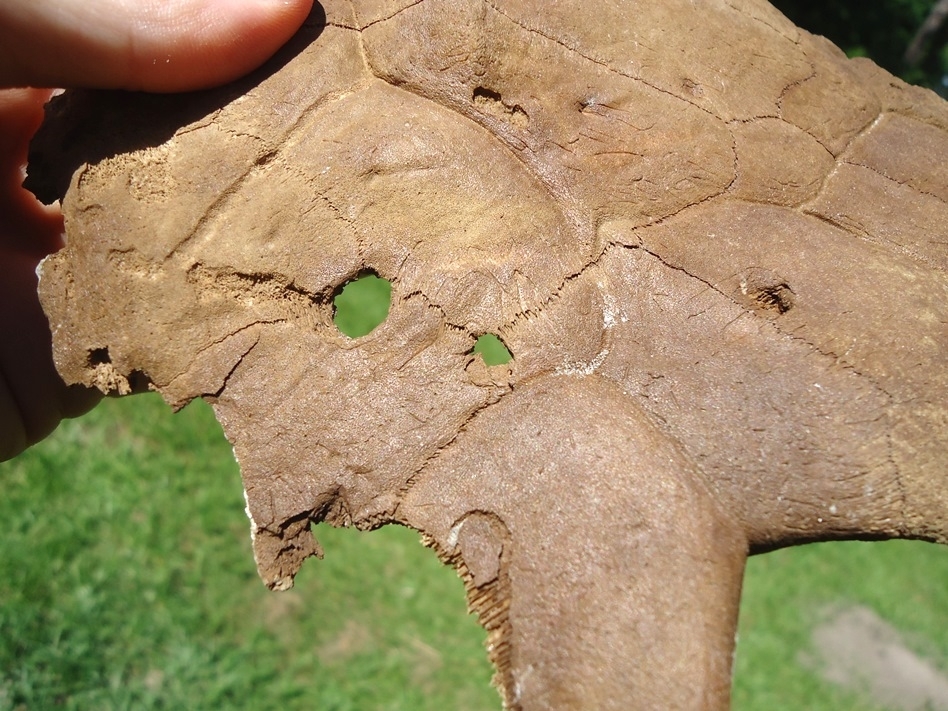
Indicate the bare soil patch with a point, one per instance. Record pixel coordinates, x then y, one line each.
858 650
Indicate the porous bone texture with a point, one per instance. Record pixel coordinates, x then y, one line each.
715 247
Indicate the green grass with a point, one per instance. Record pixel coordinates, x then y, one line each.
492 350
127 582
787 592
362 304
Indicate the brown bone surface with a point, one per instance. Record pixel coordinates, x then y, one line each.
716 248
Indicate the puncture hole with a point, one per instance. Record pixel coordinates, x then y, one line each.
775 297
492 350
98 356
362 304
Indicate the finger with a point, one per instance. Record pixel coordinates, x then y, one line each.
33 398
151 45
26 225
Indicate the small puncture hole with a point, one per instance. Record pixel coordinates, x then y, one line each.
492 350
766 291
362 304
492 102
99 356
775 297
588 104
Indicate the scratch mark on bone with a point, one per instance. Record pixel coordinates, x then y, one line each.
222 201
839 159
795 39
565 202
582 369
390 16
863 234
233 370
598 62
491 398
836 359
901 183
175 378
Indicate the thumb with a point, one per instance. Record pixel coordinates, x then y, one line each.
151 45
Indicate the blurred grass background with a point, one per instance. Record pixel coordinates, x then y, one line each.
127 580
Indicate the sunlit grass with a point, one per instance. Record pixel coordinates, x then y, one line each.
362 305
127 582
492 350
788 592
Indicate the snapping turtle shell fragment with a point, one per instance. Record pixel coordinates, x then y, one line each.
715 247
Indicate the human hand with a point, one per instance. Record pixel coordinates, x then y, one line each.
175 45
